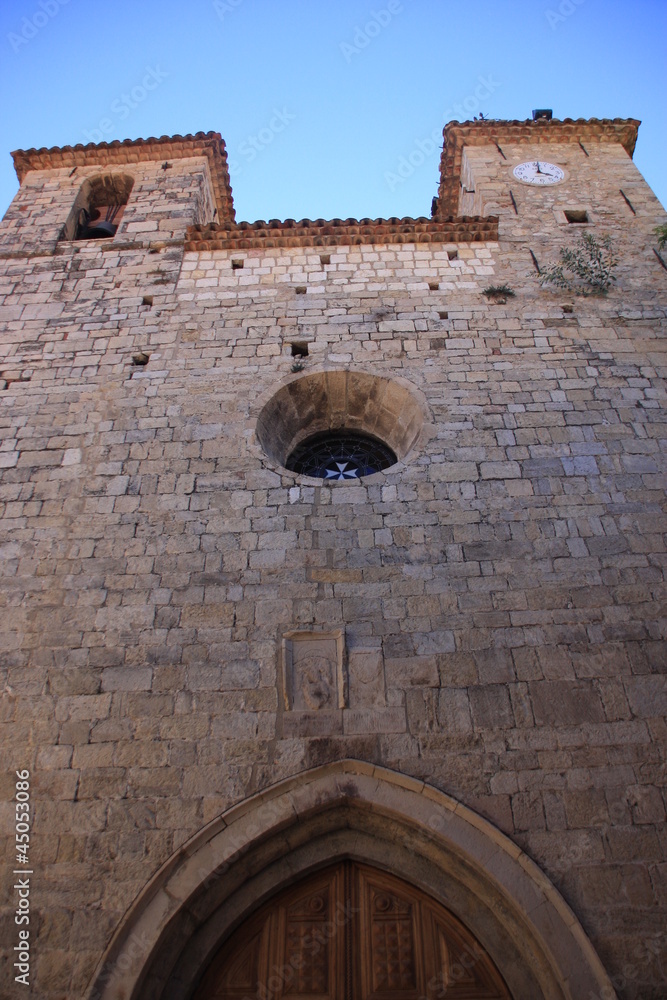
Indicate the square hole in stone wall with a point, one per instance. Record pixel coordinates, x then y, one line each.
299 349
325 258
237 265
453 254
576 215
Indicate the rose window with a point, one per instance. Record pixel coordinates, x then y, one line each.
340 455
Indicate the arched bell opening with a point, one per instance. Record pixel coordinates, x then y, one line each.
349 813
98 207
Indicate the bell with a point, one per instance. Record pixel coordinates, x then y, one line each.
99 230
93 227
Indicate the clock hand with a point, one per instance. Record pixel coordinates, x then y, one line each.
537 164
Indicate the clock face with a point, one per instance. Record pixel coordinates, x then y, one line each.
538 172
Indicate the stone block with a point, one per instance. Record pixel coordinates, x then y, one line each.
404 672
453 711
127 679
562 703
374 720
491 708
366 678
647 695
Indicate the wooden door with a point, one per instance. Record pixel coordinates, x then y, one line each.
352 932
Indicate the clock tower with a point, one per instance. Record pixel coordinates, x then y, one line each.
545 179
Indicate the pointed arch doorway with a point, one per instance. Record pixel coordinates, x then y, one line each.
352 932
218 883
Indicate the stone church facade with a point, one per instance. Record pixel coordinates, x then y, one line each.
296 726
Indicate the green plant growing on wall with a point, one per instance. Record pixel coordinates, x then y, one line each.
661 233
498 293
587 268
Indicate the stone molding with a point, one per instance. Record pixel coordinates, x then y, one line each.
313 670
387 408
244 856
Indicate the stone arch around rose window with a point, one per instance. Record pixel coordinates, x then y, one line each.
389 412
349 809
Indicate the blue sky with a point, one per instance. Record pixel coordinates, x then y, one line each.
321 101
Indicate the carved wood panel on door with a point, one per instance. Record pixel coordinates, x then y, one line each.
352 932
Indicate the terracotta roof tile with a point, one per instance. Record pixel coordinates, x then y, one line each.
339 232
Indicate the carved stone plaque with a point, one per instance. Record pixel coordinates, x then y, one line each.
313 678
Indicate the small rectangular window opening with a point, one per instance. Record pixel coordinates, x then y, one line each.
300 289
325 258
147 300
299 349
576 215
237 265
443 315
453 254
434 286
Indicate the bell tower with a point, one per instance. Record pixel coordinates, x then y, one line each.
134 192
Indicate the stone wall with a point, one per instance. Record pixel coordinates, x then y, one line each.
499 589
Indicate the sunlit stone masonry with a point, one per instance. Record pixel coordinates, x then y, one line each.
332 633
